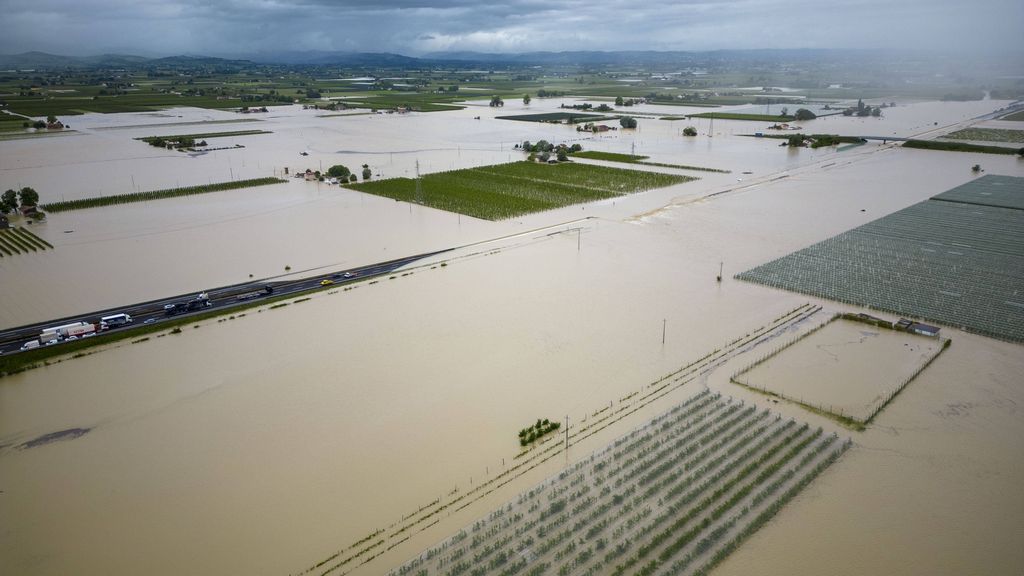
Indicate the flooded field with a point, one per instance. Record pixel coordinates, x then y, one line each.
266 443
846 368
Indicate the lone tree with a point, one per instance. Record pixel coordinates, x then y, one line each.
338 171
526 99
689 131
618 100
496 101
796 140
805 114
9 201
28 196
367 173
627 122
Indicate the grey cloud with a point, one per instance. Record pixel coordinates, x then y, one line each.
414 26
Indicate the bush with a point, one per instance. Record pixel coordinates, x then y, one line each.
627 122
689 131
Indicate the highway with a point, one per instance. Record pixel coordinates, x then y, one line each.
223 298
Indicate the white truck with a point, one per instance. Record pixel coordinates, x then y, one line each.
63 331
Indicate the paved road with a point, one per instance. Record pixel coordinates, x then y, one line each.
223 298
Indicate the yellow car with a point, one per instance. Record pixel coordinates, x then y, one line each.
326 282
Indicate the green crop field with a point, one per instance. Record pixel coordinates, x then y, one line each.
734 116
510 190
157 194
570 117
958 147
636 159
205 135
987 135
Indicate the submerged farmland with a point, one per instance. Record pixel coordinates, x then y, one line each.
676 496
957 258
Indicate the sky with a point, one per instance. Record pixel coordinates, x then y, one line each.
417 27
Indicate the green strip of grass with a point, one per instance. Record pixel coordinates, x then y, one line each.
736 116
157 194
958 147
204 136
510 190
637 159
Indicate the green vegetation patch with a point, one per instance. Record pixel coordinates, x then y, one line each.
1015 117
987 135
637 159
157 194
204 135
958 147
510 190
533 433
558 117
737 116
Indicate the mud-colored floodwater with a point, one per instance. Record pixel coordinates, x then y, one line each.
265 443
847 368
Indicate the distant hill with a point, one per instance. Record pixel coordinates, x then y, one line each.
42 60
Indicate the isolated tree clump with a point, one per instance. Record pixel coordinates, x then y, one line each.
526 98
496 101
627 122
689 131
338 171
805 114
367 173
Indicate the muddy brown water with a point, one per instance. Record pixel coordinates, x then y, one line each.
265 443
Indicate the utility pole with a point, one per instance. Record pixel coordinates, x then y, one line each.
664 322
567 436
579 233
720 264
419 187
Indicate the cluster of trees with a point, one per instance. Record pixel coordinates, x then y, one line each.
804 114
863 110
620 101
543 149
10 200
343 174
183 142
452 88
542 427
496 101
627 122
542 93
689 131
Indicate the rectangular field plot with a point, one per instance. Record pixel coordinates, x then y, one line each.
956 259
674 497
848 368
510 190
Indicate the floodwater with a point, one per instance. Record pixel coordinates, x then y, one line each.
848 368
266 443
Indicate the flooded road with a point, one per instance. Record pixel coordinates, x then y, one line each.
265 443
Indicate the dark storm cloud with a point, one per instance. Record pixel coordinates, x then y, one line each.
418 26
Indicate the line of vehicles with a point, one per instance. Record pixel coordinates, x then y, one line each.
75 330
